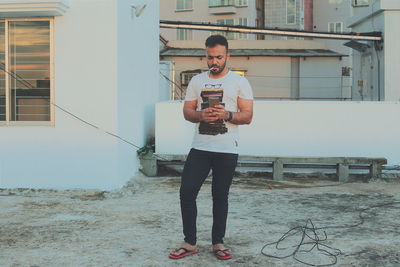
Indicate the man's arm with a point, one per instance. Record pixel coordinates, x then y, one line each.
191 114
244 116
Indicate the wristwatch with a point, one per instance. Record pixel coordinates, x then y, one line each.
230 116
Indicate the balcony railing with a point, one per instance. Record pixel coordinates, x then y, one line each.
221 3
221 7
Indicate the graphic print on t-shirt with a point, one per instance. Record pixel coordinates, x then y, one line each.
212 93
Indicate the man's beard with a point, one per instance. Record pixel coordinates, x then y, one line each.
215 70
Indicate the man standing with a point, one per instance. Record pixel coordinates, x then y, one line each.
217 101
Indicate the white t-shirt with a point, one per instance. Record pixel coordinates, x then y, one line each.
233 86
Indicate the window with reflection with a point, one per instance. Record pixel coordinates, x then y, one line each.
184 34
290 11
25 70
184 4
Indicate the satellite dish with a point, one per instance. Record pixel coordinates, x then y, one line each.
138 9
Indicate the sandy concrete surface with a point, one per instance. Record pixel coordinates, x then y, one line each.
140 224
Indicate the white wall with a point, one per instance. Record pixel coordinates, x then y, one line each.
322 77
365 65
138 83
105 61
383 16
298 128
392 56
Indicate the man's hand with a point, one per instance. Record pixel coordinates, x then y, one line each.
191 114
220 112
208 115
244 116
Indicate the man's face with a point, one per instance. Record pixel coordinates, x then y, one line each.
216 58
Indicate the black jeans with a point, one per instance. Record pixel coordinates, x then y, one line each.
197 167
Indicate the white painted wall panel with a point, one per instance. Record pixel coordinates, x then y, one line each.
138 83
392 56
298 128
105 64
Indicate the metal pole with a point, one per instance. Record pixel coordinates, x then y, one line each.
372 36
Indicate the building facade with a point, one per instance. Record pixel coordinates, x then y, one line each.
225 12
376 67
288 14
73 75
331 16
276 69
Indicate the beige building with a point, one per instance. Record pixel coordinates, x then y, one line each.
276 69
226 12
284 69
287 14
331 16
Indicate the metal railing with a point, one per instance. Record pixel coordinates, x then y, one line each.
218 3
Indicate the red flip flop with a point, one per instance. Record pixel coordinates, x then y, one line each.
182 255
223 257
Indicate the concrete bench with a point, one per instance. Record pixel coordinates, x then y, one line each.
278 164
342 164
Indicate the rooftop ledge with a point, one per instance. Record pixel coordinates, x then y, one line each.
32 8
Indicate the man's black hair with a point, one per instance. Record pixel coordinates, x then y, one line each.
214 40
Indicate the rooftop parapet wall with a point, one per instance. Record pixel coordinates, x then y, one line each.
298 128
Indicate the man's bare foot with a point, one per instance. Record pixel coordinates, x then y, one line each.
222 252
181 251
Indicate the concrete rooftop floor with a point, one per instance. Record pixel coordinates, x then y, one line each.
140 224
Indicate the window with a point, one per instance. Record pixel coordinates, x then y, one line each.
242 3
335 27
290 11
242 22
214 3
360 3
186 76
184 5
228 35
346 71
184 34
25 70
